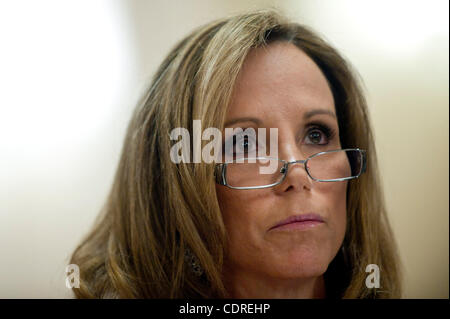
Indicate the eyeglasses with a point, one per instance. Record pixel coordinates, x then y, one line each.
328 166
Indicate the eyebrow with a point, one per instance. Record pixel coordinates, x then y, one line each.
318 111
307 115
243 119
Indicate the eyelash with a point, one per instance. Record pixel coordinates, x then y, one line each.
328 131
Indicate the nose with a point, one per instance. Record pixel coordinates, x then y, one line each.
297 179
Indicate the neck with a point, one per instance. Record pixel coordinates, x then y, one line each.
245 285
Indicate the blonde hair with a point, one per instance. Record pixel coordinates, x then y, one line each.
156 210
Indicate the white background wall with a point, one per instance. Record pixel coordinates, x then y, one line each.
71 72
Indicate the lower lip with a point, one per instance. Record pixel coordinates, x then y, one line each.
307 224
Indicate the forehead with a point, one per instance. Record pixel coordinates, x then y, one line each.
279 77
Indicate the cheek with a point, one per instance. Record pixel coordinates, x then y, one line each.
243 214
239 208
334 198
340 200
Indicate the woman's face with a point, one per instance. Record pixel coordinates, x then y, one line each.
278 86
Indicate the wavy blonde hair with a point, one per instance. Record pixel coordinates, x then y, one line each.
156 209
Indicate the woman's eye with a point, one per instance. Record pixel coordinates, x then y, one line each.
240 145
244 145
318 136
315 137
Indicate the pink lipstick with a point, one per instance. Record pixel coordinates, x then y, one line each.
299 222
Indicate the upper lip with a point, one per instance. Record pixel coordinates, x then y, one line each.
299 218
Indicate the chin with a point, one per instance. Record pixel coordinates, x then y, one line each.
302 265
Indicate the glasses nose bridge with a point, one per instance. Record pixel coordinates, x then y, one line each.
290 163
297 162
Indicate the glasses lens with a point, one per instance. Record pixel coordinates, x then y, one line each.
335 165
254 172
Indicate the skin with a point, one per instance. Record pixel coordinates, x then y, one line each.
277 86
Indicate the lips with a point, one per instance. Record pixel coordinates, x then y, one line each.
305 219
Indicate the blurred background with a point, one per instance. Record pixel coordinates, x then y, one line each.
71 73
